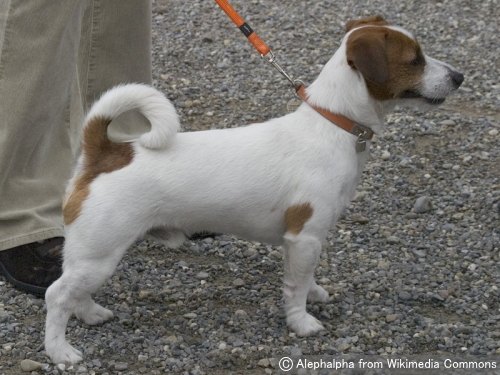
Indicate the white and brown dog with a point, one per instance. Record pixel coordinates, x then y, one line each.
283 182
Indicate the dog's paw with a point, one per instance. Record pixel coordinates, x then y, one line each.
96 314
64 353
317 294
306 325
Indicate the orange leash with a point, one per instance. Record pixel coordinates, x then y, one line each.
245 28
255 40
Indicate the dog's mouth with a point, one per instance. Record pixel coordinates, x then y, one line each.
410 94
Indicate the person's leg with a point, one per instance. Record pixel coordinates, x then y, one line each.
40 43
44 63
115 49
38 51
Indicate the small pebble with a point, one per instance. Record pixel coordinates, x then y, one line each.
360 219
422 205
393 240
405 296
444 294
448 123
143 294
250 252
121 366
391 318
493 132
222 346
27 365
202 275
4 316
275 254
386 155
264 362
343 346
239 282
61 367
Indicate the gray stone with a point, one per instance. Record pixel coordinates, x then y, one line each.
61 367
239 282
447 122
391 318
275 254
121 366
28 365
405 296
386 155
4 316
143 294
422 205
250 252
264 362
202 275
393 240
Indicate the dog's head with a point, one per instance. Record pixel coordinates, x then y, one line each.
394 66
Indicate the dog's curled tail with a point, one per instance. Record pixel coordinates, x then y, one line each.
148 101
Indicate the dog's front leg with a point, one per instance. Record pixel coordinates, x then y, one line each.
301 257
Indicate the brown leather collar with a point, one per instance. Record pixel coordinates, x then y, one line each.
363 133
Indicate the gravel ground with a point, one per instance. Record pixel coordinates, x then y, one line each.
403 279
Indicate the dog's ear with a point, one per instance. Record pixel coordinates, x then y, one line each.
366 52
372 20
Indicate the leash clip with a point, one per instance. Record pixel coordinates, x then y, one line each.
271 59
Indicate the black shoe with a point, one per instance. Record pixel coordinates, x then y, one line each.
202 235
34 266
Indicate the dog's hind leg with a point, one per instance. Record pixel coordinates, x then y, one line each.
170 238
317 293
85 269
301 257
92 313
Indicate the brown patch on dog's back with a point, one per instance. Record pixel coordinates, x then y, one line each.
100 156
296 216
390 61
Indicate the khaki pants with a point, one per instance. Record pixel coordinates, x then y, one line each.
56 58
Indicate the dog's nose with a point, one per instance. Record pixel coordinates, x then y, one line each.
456 77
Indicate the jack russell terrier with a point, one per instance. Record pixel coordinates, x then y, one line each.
282 182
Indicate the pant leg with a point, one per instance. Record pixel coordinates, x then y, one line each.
39 42
115 49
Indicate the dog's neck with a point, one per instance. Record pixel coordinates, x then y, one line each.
340 89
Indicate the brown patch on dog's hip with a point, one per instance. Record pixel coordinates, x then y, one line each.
100 156
296 217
